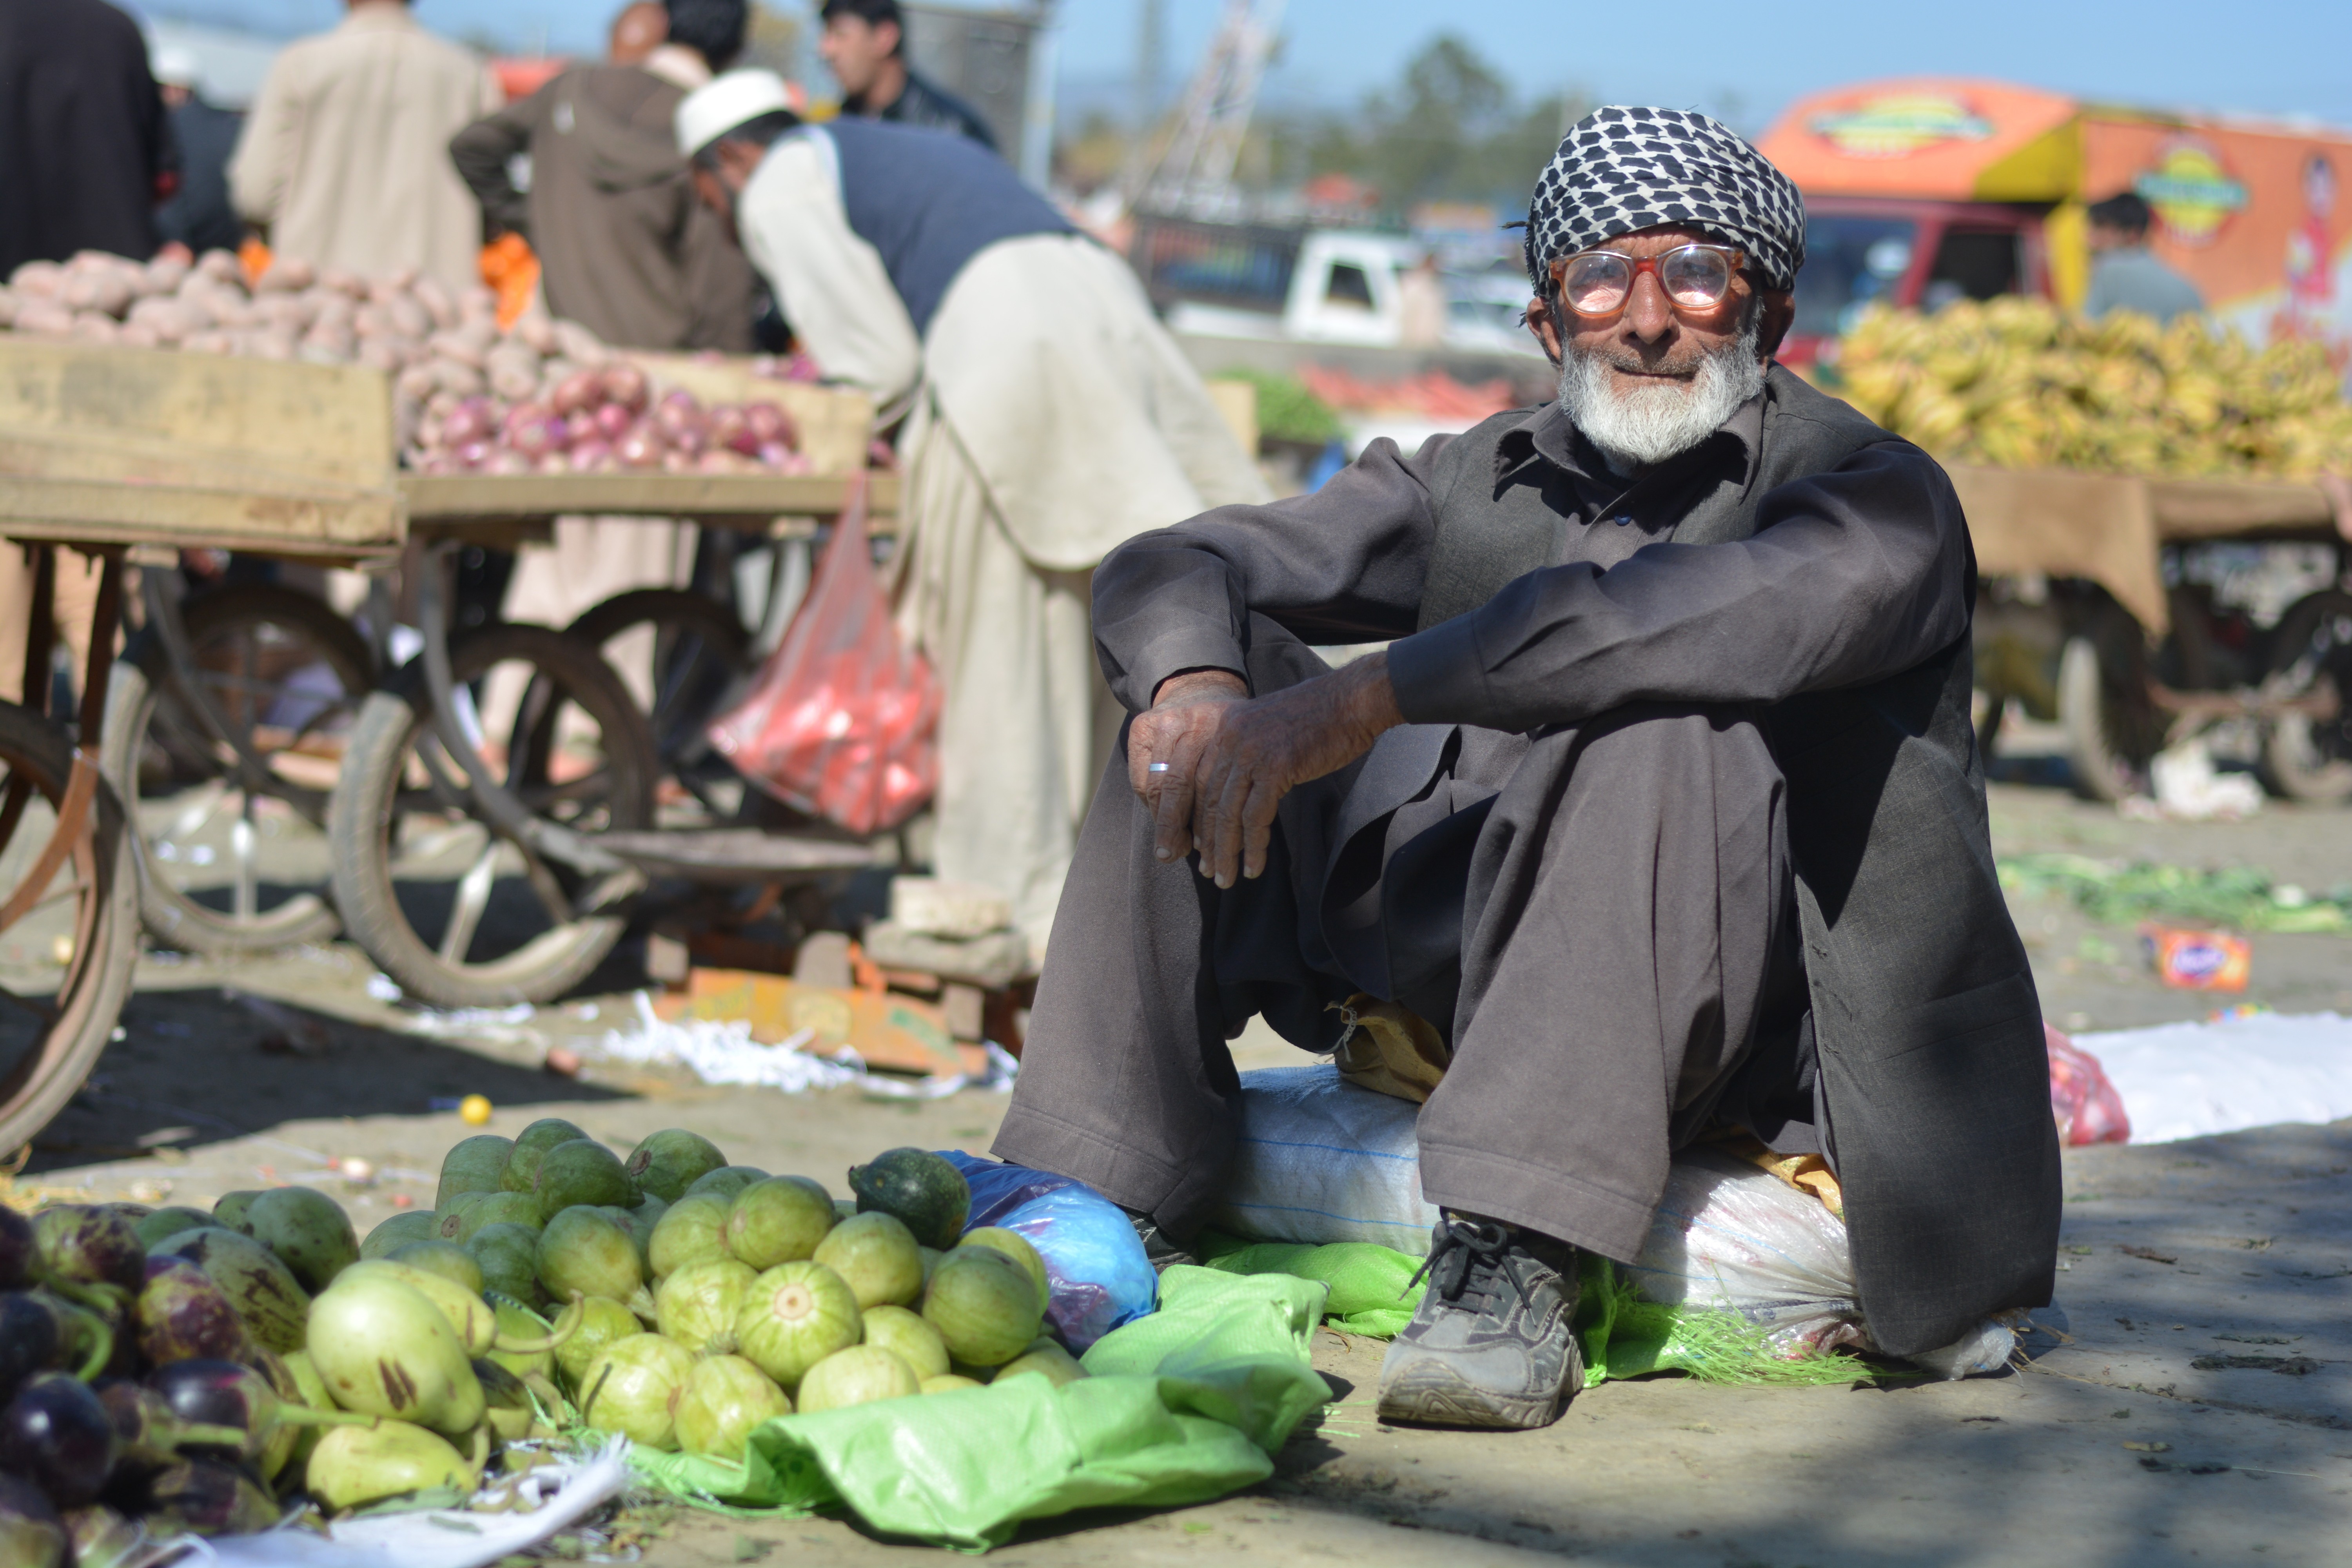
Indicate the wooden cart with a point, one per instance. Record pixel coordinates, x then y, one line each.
104 451
2091 613
582 847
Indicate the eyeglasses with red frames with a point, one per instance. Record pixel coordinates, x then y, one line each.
1694 277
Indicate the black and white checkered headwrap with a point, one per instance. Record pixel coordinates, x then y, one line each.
1620 169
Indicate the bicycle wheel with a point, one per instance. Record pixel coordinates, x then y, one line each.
689 664
458 915
287 674
2305 758
2113 729
68 964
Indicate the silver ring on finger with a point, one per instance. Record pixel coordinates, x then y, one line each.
1155 768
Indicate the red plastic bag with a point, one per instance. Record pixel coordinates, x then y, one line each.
2087 1106
842 721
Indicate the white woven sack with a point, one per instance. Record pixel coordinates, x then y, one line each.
1321 1160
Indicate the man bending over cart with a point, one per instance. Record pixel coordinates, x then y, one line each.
1051 417
1662 806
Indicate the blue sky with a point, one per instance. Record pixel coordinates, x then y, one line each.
2272 58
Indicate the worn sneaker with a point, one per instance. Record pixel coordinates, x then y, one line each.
1161 1250
1491 1344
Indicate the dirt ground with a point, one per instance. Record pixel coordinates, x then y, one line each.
2187 1400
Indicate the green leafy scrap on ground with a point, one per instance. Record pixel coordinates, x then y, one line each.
1287 410
2118 893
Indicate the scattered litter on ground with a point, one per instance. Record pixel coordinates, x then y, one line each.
2082 1099
721 1051
2192 1081
470 1022
2189 788
556 1496
2199 959
2120 893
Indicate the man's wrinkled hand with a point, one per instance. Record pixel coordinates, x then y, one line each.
1230 757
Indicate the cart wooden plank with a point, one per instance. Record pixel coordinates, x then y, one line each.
2221 508
104 444
438 502
2111 528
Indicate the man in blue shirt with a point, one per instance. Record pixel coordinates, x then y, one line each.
2123 276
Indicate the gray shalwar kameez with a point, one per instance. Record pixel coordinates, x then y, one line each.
1680 828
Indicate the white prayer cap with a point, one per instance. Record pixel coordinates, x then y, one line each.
726 102
174 65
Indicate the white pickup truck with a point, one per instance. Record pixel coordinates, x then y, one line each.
1340 287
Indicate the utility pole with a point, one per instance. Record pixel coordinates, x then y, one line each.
1151 58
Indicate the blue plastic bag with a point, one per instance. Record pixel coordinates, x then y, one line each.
1093 1261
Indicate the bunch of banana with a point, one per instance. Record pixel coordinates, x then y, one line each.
2016 384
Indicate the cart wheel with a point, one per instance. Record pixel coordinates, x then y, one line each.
56 1019
698 648
2113 730
289 674
2302 758
457 915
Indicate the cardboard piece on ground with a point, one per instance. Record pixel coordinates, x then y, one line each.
891 1032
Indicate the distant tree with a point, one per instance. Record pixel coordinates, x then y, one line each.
1450 128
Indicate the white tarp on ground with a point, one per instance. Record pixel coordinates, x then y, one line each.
2192 1080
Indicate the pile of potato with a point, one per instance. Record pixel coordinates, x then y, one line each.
542 396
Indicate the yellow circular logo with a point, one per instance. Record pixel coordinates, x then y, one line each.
2192 190
1899 124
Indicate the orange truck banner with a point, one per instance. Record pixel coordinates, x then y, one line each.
2256 215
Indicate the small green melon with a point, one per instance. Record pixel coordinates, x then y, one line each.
921 1190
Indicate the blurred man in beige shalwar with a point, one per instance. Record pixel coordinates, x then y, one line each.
1049 418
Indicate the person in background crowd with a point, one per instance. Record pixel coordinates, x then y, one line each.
865 45
1051 417
85 154
627 250
637 32
199 215
346 156
624 247
2124 275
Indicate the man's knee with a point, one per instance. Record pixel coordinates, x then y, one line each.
1666 745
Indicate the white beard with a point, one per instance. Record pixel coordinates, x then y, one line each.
1644 427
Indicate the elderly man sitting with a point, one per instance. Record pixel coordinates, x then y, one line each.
1662 805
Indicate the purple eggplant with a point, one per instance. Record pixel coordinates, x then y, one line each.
224 1396
29 1337
39 1332
88 1247
31 1534
16 1249
184 1316
151 1435
209 1497
55 1433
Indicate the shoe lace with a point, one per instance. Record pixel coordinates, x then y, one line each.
1467 1262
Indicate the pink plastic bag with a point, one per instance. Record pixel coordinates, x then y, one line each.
842 721
2087 1106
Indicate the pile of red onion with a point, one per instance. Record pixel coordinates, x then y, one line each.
604 420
